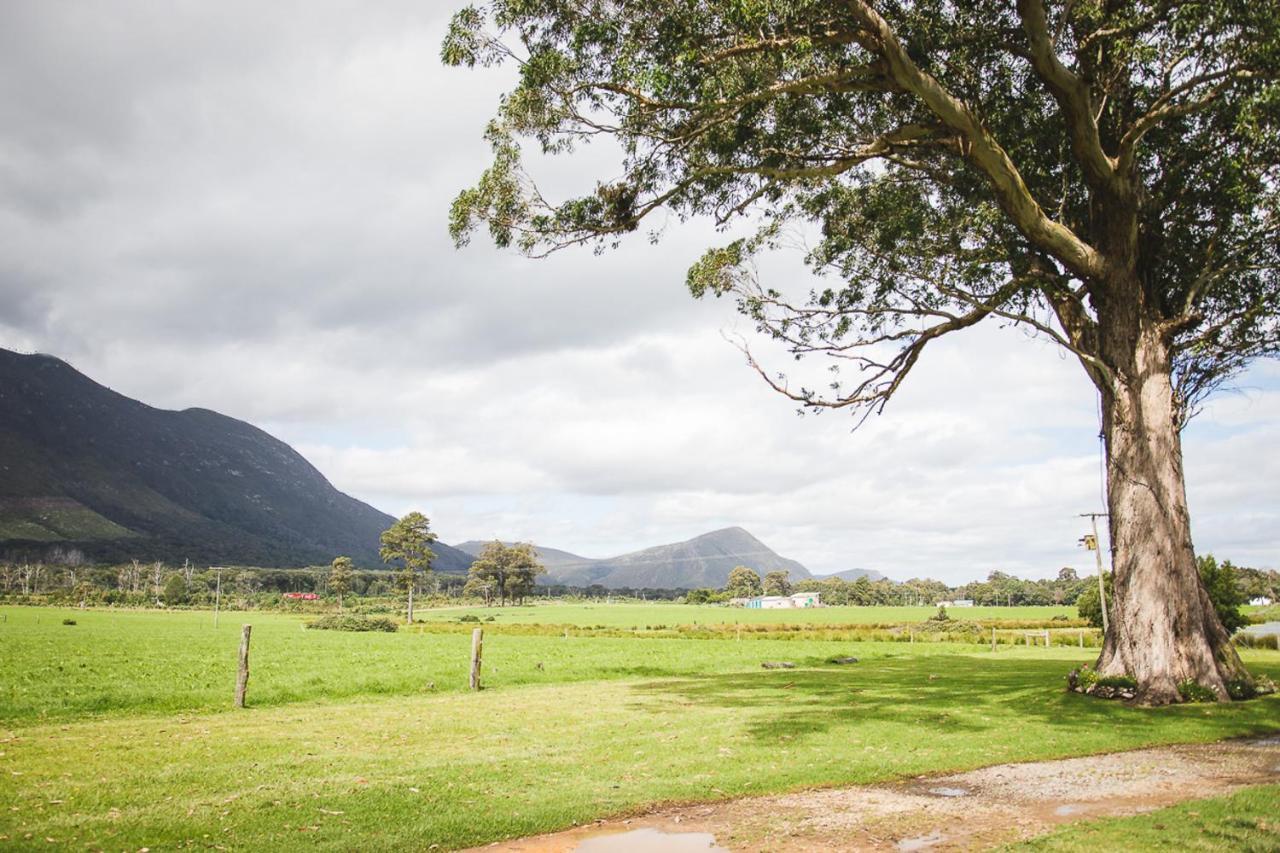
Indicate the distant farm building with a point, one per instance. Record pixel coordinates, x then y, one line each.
781 602
300 596
1260 601
959 602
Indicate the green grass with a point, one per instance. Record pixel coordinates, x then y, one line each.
1248 820
113 662
461 769
118 734
639 615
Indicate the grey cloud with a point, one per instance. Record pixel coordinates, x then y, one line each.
242 206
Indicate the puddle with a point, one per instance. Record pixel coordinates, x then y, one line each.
651 841
922 842
1070 809
949 792
1274 740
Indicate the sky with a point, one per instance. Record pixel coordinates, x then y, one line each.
242 207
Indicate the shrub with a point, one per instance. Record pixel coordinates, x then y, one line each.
352 622
1083 678
1220 582
940 616
175 590
1193 691
68 621
1257 641
468 617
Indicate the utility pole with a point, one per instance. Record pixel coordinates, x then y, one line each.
1091 542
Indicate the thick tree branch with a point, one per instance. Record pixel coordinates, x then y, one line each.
1073 97
983 150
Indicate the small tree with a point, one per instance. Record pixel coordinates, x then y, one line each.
508 570
176 590
1088 606
340 574
777 583
407 542
698 596
861 593
1220 582
743 583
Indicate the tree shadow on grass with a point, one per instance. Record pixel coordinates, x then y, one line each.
946 695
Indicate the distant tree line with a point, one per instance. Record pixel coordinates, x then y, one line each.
509 574
1228 584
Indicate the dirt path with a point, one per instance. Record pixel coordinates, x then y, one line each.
961 811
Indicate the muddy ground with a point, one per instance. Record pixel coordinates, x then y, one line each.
961 811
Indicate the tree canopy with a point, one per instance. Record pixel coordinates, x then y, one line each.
743 583
959 161
505 571
777 583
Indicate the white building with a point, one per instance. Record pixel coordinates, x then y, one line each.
1260 601
781 602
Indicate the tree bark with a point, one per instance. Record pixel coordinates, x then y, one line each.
1163 629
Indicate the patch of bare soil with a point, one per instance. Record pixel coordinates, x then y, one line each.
962 811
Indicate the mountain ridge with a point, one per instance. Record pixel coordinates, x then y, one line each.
852 575
85 467
702 561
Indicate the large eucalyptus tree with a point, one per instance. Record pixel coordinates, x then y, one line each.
1102 173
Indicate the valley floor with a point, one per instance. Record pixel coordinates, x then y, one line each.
115 732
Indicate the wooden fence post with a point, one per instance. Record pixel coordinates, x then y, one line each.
477 646
242 675
1082 638
993 639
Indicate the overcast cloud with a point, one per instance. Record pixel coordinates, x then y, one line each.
242 206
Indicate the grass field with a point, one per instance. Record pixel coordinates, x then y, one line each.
639 615
142 662
116 732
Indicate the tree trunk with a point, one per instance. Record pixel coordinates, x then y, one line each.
1163 629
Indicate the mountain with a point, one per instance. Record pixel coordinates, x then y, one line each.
84 467
703 561
852 575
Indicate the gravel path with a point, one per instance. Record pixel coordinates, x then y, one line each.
962 811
